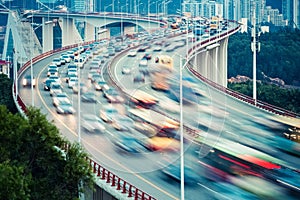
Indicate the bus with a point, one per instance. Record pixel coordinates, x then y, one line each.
237 159
163 68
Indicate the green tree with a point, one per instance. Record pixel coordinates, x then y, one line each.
278 57
33 146
13 182
6 97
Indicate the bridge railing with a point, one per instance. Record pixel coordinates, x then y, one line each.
118 183
245 98
111 179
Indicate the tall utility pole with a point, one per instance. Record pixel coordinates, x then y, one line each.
255 47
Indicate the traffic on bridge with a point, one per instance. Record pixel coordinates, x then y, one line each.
122 97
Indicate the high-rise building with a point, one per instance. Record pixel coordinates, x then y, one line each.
287 9
296 14
273 16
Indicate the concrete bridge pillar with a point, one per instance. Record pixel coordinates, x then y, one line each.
201 63
67 28
89 32
47 36
223 62
212 62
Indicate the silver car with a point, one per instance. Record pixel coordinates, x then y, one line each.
92 123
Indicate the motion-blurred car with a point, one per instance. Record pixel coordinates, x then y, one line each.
113 96
92 123
101 85
162 144
65 108
27 81
173 171
132 53
47 84
57 62
109 114
123 123
83 88
140 77
145 128
55 88
129 144
89 97
67 58
52 72
126 70
72 81
147 56
60 97
157 48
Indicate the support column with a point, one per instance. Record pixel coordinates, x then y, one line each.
47 36
70 34
201 63
89 32
67 27
223 63
216 70
210 66
205 66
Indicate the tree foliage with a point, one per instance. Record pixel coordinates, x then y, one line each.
279 55
6 97
288 99
31 149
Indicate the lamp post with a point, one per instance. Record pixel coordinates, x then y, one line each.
149 4
105 7
255 46
122 19
165 12
32 52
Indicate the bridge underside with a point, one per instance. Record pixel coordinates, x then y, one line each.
56 32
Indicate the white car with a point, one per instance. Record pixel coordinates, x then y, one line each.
79 62
67 58
92 123
60 97
57 62
55 88
132 53
72 82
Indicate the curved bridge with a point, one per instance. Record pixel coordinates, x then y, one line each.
124 173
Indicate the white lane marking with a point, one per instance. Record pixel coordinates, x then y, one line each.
213 191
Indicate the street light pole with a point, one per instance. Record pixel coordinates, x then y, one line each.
255 46
105 7
122 19
31 67
181 134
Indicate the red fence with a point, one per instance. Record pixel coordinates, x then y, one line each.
118 183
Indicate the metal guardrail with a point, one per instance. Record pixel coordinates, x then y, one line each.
112 179
258 103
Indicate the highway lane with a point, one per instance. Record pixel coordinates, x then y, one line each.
99 146
239 119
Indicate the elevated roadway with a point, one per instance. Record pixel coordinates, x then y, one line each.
232 119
